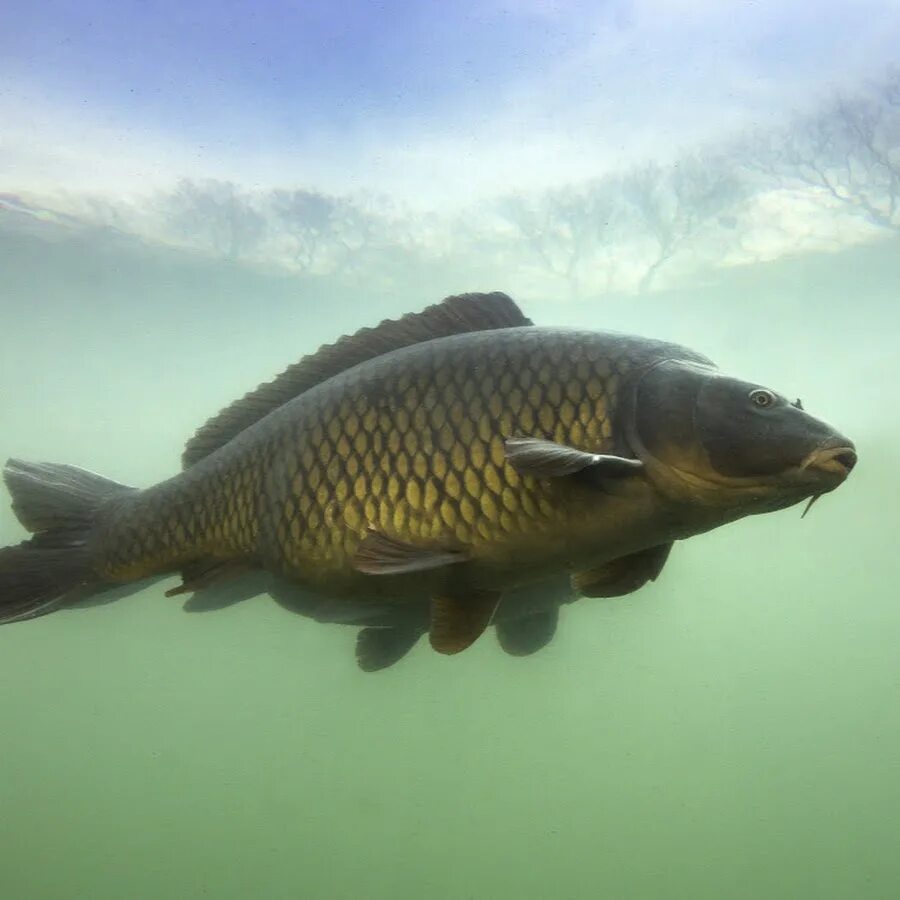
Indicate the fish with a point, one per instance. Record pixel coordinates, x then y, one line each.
429 471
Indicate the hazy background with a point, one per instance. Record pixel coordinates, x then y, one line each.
192 198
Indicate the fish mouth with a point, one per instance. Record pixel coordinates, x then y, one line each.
832 459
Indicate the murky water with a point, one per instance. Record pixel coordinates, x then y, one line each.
730 731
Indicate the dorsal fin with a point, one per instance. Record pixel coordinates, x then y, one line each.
455 315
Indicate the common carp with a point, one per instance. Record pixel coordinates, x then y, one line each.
437 462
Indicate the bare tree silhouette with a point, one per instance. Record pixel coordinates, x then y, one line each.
848 151
674 204
328 232
565 228
216 215
612 231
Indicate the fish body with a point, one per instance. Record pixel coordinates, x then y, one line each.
412 446
451 457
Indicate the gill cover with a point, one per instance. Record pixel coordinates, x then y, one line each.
665 403
695 419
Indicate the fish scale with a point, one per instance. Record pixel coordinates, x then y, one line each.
416 450
411 444
183 518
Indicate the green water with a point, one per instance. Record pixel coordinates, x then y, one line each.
731 731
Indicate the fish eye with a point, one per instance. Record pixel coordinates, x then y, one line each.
762 398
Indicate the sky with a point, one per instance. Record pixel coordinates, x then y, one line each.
433 102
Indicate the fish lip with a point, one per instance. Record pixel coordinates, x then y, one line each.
837 457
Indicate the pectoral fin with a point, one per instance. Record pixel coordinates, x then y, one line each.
378 648
623 575
458 621
378 554
547 459
522 637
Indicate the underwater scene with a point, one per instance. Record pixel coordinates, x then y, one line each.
450 451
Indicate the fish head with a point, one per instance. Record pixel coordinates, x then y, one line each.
720 441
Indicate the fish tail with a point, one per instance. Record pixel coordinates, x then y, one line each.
61 506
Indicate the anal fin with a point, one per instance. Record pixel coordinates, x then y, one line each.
205 572
227 591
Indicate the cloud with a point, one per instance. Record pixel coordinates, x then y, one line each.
523 94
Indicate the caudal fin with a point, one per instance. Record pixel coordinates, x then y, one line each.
60 504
